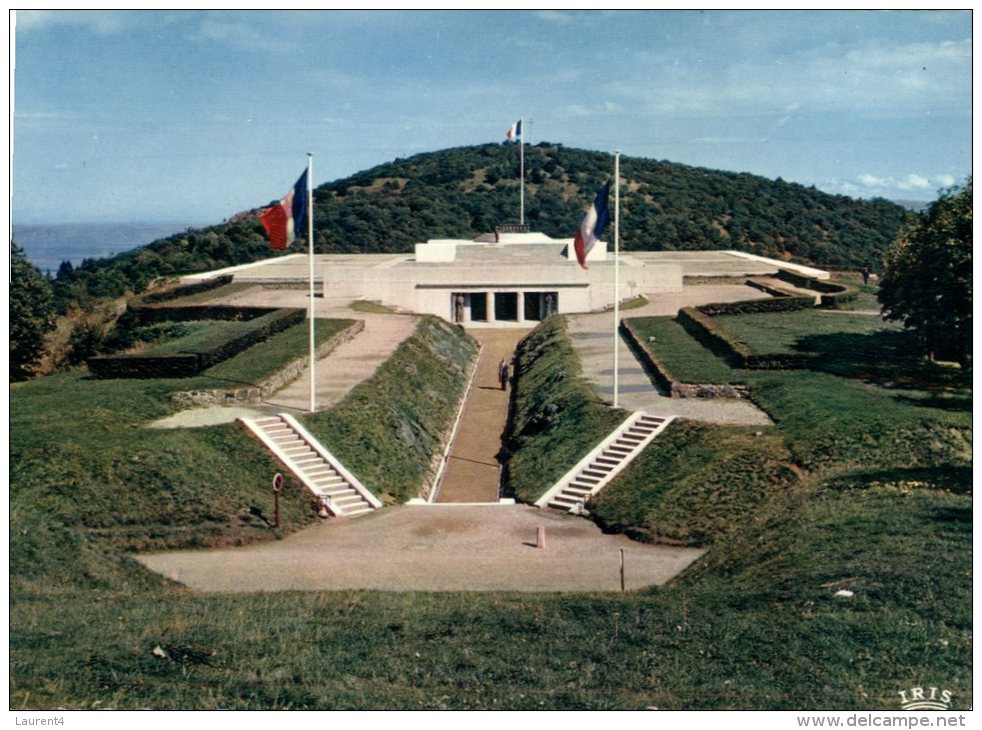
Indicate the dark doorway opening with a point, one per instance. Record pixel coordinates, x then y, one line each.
506 306
479 306
533 306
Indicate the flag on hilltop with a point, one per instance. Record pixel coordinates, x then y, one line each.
515 131
593 225
283 220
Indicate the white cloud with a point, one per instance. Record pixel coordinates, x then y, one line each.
239 35
869 78
945 181
555 16
914 182
888 185
101 22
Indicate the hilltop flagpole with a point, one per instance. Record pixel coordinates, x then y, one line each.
617 262
521 167
310 246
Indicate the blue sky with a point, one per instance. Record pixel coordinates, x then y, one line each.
193 116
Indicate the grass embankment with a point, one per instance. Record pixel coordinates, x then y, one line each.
557 418
755 624
388 429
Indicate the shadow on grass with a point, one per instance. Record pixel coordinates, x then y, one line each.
890 358
949 478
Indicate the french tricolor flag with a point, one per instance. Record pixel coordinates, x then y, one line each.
283 220
593 225
515 131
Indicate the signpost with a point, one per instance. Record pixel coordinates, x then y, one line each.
277 486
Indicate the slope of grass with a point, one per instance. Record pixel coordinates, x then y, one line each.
696 483
755 625
388 429
557 416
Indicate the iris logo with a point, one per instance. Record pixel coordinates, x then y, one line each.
921 698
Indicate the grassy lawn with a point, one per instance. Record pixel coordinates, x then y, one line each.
684 357
784 331
271 355
202 335
858 486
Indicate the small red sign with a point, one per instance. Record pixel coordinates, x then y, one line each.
277 482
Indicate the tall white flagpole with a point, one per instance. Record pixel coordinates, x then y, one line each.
310 246
521 167
617 265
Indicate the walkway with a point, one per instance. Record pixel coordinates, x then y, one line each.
473 471
432 548
592 336
349 363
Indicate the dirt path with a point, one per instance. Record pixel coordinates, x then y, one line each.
473 471
592 336
432 548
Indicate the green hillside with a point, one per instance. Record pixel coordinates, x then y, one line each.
465 191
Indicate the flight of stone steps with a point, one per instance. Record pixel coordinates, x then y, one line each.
600 466
335 488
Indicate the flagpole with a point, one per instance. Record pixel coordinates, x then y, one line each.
617 262
310 246
521 165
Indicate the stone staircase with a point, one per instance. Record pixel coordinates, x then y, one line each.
335 488
598 468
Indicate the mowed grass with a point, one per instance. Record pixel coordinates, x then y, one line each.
785 331
557 416
685 358
857 486
755 625
696 483
264 359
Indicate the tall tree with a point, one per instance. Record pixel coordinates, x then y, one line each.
32 314
927 277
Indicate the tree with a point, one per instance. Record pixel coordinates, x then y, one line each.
927 277
32 314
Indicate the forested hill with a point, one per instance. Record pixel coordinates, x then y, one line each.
465 191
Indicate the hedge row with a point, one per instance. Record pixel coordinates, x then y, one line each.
186 290
833 295
785 303
187 364
737 352
152 313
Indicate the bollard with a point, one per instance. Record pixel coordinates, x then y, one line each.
622 570
540 536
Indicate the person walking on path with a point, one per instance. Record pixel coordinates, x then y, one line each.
504 375
501 373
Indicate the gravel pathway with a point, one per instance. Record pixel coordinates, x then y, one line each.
473 472
432 548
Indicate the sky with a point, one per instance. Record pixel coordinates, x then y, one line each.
193 116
